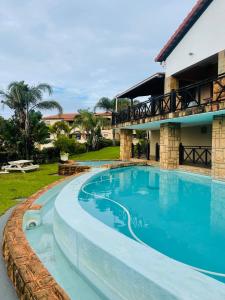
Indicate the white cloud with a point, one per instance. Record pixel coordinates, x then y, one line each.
85 49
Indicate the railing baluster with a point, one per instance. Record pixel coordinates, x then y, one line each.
148 151
193 150
139 150
181 154
157 152
132 151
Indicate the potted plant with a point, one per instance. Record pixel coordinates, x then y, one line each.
66 146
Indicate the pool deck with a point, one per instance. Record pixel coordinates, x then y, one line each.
7 291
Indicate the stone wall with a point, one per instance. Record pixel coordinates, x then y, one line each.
171 83
218 148
169 145
71 169
125 144
30 278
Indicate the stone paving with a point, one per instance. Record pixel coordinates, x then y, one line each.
7 291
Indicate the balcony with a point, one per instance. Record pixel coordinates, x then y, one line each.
204 96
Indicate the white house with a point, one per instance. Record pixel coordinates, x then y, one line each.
185 113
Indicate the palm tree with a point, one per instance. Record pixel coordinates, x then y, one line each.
60 128
23 99
109 105
106 104
90 126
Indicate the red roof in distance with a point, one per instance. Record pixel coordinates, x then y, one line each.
71 116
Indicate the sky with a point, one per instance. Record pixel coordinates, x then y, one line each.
85 49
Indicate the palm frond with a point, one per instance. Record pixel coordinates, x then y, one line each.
50 104
44 87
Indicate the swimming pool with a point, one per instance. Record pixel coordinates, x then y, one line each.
97 163
178 214
119 261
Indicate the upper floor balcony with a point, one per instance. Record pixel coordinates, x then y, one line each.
203 96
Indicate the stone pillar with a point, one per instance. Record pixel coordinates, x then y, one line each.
125 144
169 145
218 147
171 83
218 87
221 62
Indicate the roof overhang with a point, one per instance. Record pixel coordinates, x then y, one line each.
186 25
153 85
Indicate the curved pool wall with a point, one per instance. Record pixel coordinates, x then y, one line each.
43 243
118 266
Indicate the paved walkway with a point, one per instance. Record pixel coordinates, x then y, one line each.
7 291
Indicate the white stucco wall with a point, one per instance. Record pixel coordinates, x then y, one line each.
193 136
190 136
204 39
154 138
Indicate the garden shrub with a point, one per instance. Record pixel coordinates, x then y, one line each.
103 142
80 148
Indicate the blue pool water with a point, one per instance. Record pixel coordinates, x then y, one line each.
181 215
97 163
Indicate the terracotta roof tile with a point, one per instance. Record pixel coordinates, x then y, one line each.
71 116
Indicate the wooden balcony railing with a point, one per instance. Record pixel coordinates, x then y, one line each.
178 100
195 155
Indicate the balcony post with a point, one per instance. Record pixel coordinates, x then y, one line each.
173 101
169 145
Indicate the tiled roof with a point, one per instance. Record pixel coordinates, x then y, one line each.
71 116
66 117
186 25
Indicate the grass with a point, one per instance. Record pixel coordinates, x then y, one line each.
103 154
18 185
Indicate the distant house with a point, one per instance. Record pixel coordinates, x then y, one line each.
185 113
69 119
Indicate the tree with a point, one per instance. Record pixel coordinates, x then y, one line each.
60 128
65 144
109 105
106 104
11 139
90 126
23 99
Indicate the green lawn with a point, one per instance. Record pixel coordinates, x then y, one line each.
103 154
18 185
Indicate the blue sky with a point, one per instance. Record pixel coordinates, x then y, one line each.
84 49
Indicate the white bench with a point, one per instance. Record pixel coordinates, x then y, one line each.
20 165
